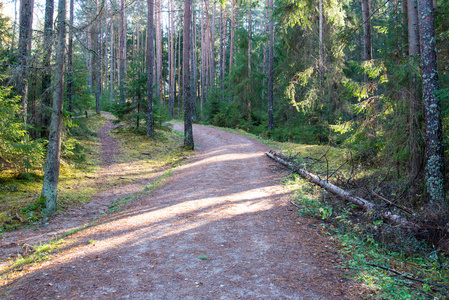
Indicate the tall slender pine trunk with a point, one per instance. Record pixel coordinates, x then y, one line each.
46 64
271 71
52 164
70 60
150 65
188 99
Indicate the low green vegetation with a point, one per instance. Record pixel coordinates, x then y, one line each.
139 157
372 249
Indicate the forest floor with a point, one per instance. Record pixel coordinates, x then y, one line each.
221 227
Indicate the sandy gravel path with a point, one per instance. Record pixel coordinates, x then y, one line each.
220 228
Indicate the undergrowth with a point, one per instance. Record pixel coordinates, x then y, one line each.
372 249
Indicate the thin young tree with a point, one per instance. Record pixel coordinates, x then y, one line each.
367 45
150 66
188 99
24 48
122 51
46 70
51 176
231 43
415 107
70 60
271 70
172 61
158 21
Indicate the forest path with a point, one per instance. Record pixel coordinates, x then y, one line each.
220 228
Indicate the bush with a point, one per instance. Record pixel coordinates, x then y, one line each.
17 150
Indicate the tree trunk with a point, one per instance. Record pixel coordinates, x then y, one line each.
271 71
51 176
223 50
249 60
212 50
122 51
172 60
150 65
111 85
70 59
179 74
231 47
360 202
367 47
46 71
194 67
414 105
158 51
188 105
25 35
203 61
432 112
320 40
97 60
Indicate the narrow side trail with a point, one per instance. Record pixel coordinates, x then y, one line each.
220 228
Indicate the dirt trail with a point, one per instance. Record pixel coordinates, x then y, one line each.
220 228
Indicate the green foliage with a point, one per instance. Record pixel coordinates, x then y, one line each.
17 151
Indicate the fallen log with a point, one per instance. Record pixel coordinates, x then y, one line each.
345 195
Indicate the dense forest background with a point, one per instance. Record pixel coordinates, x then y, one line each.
349 74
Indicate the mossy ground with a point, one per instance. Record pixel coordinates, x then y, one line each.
19 193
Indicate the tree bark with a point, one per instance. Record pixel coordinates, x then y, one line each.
432 111
122 51
46 74
158 51
367 46
249 61
223 50
414 105
51 175
97 55
231 47
25 35
188 105
70 59
172 61
179 74
150 65
271 72
203 61
413 27
112 62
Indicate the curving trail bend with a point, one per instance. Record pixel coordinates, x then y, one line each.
220 228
